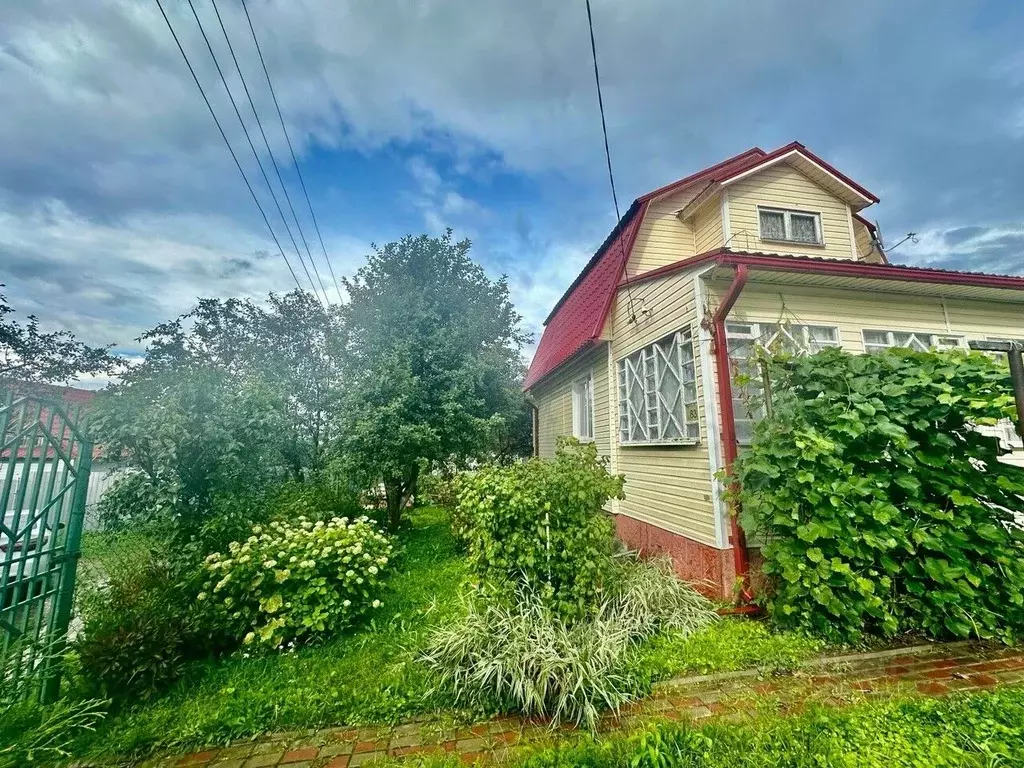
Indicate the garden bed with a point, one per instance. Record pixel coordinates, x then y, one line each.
369 676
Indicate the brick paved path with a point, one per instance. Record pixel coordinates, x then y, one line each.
930 670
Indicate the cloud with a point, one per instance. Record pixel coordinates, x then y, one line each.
119 203
109 282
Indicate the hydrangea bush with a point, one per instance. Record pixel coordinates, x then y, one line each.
292 581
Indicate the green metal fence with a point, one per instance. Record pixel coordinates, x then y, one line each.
45 459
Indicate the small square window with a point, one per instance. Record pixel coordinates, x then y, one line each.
790 226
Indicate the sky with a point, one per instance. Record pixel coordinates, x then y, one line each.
120 205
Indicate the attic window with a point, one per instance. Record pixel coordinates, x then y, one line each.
785 226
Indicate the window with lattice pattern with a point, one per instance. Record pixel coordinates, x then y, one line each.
658 393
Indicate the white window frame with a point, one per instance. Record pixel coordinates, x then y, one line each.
1004 429
932 338
583 408
766 334
788 226
641 376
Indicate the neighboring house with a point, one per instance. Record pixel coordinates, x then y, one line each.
640 353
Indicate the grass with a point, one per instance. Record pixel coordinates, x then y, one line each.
371 675
978 730
731 644
368 676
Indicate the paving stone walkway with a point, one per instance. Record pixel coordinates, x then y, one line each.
930 670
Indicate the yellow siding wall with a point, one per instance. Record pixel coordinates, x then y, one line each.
667 486
707 227
663 238
554 402
781 186
851 312
864 248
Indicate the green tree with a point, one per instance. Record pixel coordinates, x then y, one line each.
291 345
192 436
433 355
29 355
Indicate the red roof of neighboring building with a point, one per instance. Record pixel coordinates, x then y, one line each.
60 432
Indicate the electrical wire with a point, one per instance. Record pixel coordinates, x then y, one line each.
266 143
252 147
227 143
291 149
608 158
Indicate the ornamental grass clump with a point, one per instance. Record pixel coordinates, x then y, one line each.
516 652
884 508
291 582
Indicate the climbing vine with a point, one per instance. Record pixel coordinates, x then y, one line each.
884 510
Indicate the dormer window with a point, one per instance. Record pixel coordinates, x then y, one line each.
784 226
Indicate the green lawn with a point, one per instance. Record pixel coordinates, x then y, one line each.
368 676
371 676
978 730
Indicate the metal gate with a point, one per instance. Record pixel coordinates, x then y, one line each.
44 476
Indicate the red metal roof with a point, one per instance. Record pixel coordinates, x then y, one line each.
576 320
774 262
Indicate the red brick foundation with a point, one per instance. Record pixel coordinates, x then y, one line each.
711 570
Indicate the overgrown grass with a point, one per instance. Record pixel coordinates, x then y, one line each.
367 676
980 730
728 645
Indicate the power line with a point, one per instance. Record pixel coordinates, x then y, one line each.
608 157
266 143
252 146
227 143
291 149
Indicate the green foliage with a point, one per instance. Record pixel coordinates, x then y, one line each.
189 437
316 499
973 731
28 355
135 500
542 523
368 676
432 363
290 346
33 734
140 626
518 653
294 581
521 655
725 646
885 511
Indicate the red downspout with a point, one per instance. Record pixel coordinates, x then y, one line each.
729 443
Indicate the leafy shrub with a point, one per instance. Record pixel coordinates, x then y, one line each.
315 499
292 581
520 653
884 509
541 523
139 628
438 489
135 500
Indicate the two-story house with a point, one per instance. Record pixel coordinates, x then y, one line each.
640 353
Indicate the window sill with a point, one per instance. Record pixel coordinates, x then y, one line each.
783 241
661 444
